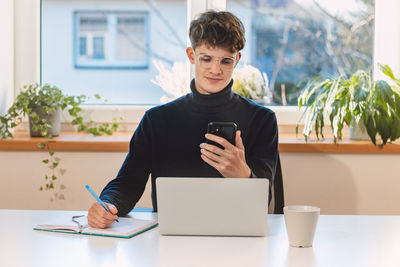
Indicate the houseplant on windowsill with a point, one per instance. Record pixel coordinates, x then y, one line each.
249 82
43 106
373 104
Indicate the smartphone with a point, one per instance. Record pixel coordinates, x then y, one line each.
226 130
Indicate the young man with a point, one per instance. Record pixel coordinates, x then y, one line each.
170 141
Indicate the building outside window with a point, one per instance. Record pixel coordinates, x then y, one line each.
111 39
108 47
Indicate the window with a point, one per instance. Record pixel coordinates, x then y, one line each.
111 39
296 40
291 41
30 64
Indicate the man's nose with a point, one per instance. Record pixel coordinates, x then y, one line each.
216 66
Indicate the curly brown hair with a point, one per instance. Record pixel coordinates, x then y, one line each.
217 28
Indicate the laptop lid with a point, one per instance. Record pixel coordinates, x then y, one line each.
212 206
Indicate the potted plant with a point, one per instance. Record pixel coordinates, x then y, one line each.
249 82
43 106
354 100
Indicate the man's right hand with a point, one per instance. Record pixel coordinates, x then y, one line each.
98 217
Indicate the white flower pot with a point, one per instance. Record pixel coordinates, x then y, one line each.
358 131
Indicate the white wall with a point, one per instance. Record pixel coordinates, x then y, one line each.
338 183
22 174
27 42
6 54
387 37
343 183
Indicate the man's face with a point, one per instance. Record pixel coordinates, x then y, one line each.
213 67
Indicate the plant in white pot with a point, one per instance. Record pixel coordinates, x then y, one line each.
43 106
357 99
249 82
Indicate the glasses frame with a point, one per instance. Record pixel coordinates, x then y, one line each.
213 58
80 226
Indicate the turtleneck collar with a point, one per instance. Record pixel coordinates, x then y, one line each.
212 102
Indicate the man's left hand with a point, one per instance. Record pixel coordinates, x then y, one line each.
231 161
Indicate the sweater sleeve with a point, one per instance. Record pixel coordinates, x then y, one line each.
127 188
261 156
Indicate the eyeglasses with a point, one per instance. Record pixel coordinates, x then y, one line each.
80 226
225 63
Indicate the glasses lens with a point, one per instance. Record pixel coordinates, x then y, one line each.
225 63
205 60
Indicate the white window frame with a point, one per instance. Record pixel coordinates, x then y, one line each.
6 54
27 57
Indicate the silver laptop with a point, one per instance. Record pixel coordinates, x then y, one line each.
212 206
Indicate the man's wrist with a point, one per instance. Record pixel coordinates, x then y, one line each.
250 173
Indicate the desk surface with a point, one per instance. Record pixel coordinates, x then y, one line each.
341 240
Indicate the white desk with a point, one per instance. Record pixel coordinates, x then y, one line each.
341 240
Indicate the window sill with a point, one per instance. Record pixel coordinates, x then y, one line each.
119 142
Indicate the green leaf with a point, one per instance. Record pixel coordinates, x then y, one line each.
82 128
41 145
370 127
45 161
53 177
387 71
395 131
55 164
51 153
114 126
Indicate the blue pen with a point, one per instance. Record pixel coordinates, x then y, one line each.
98 199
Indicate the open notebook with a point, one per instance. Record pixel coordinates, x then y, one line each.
126 227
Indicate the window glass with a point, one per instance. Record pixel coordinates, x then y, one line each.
108 47
130 31
293 41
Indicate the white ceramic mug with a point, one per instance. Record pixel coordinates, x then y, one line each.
301 222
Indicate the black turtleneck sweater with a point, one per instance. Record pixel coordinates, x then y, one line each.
167 143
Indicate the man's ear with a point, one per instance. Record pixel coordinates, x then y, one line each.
239 56
190 54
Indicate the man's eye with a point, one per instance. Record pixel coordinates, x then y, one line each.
227 61
205 59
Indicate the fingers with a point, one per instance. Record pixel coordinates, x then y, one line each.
212 149
238 140
220 140
212 155
98 217
231 161
112 208
210 162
